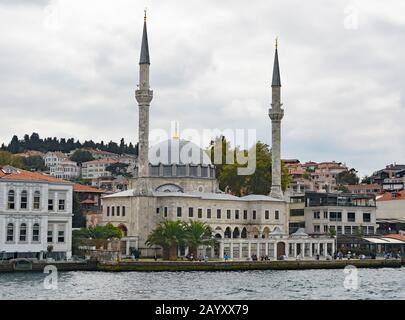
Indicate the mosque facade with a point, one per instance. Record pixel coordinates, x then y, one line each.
175 180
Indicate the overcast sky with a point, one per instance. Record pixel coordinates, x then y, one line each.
70 68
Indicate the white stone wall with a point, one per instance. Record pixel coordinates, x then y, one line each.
391 209
142 217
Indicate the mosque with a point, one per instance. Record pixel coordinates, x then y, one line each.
175 180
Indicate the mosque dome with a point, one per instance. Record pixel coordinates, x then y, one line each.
179 152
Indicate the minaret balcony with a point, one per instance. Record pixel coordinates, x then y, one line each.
144 96
276 115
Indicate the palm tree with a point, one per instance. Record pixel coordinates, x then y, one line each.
169 235
198 233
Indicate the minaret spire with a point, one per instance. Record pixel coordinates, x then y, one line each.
144 59
276 81
144 96
276 114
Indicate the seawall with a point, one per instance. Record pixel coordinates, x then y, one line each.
173 266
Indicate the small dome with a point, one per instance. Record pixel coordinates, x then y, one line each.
178 151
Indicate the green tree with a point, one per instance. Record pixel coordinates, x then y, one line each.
198 233
81 156
99 232
359 231
7 158
169 235
347 177
78 219
220 151
34 163
118 169
260 181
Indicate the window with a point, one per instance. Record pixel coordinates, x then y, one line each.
317 228
366 217
228 214
218 213
190 212
335 216
208 213
24 200
348 230
254 214
370 230
351 217
157 210
61 234
37 200
325 228
199 213
339 230
23 232
112 211
118 211
108 211
325 214
267 214
237 214
277 215
296 212
50 235
10 232
11 200
179 212
61 206
317 215
245 214
50 204
35 232
123 211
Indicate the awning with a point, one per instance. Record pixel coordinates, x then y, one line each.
384 241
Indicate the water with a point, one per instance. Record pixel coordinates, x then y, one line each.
270 284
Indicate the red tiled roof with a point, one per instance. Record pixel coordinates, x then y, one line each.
364 186
388 196
83 188
23 175
88 201
396 236
106 161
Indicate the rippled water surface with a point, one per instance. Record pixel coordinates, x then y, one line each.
304 284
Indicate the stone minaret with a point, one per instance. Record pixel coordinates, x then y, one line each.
144 96
276 113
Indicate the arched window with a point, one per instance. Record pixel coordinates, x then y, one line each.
23 232
37 200
10 232
35 232
11 200
24 200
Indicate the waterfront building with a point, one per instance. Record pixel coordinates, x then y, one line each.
344 213
35 215
175 180
391 178
391 212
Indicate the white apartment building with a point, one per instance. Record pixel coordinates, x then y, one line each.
343 212
96 168
65 170
35 215
52 159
